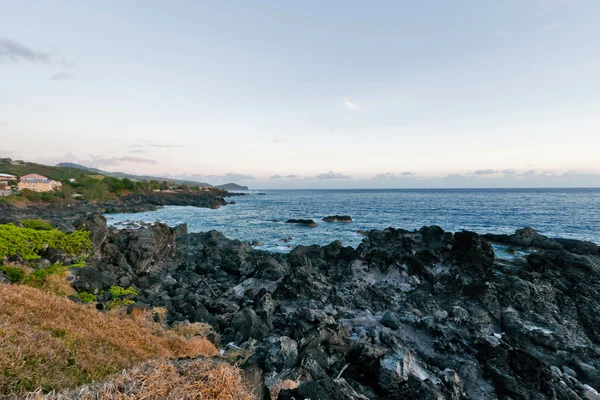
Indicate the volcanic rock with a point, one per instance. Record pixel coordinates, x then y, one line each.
304 222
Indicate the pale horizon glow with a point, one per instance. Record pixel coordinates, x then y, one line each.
308 95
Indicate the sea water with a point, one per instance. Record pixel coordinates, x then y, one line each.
568 213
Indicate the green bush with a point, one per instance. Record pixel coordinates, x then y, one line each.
15 274
118 291
28 243
39 276
36 224
118 297
86 297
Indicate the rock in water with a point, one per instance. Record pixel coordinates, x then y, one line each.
305 222
338 218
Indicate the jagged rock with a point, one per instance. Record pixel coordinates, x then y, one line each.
388 321
325 389
526 237
246 324
96 225
280 353
464 324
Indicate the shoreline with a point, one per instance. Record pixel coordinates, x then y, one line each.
406 313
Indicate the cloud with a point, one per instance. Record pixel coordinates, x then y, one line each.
393 176
332 175
351 105
165 145
101 161
13 51
228 177
484 172
62 76
277 176
137 151
94 161
275 140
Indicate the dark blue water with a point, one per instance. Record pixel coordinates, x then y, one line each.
569 213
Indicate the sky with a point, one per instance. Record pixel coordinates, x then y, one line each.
308 94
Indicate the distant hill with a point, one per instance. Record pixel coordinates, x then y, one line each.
80 167
68 170
20 168
122 175
232 186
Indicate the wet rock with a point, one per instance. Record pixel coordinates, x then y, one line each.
526 237
304 222
338 218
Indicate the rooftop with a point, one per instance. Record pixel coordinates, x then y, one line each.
33 176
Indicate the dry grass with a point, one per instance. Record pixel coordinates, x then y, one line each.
283 385
50 343
185 379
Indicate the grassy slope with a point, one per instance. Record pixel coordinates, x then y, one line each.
51 343
56 173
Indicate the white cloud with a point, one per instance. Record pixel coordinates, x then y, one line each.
350 105
62 76
332 175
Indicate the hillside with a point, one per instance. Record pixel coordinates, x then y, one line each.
122 175
232 186
59 173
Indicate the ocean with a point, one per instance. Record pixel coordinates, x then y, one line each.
568 213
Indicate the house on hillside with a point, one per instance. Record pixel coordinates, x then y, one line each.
38 183
4 183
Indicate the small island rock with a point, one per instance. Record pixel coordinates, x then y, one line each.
338 218
305 222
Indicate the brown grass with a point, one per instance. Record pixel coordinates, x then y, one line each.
50 343
283 385
184 379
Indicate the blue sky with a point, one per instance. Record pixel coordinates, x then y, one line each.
308 93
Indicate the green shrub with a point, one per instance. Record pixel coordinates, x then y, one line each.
86 297
28 243
118 296
118 291
15 274
39 276
36 224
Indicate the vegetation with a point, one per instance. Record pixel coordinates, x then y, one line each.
85 297
121 297
162 379
36 224
51 343
28 243
19 168
79 184
15 274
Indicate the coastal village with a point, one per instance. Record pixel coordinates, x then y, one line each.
34 182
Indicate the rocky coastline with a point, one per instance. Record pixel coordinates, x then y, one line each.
64 214
424 314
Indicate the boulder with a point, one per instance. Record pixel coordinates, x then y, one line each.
247 325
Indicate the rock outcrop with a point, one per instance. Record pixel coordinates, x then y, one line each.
422 314
338 218
304 222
